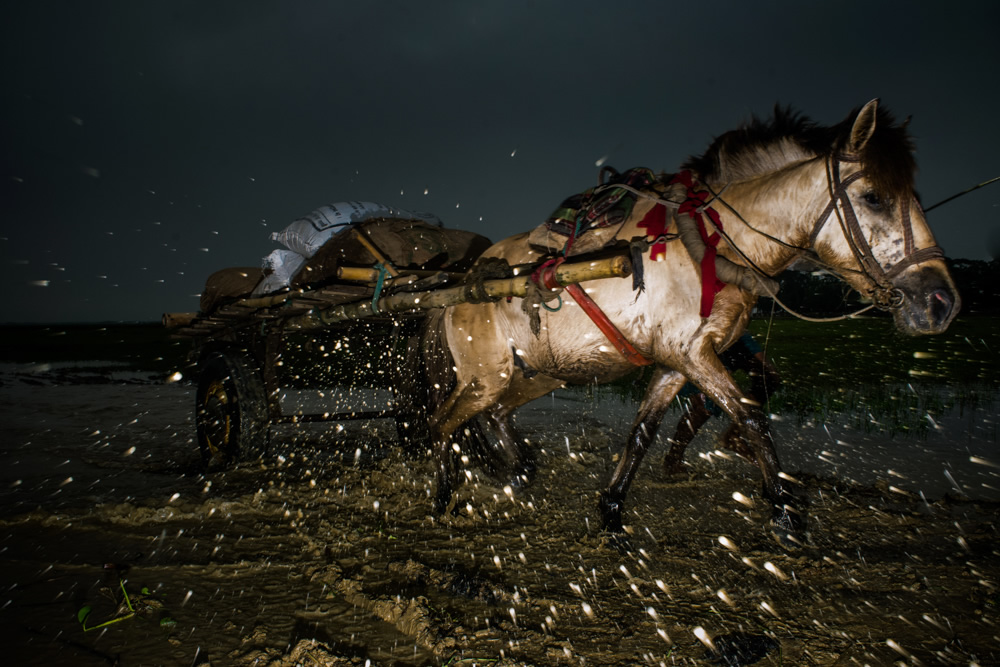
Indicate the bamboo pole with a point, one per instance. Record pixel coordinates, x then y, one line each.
177 320
376 253
358 274
613 267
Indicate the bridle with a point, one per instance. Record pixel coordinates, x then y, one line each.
883 294
880 288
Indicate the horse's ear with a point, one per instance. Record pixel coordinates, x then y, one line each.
864 127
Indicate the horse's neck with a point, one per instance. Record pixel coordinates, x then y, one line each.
782 205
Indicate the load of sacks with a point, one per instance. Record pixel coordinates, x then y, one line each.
316 244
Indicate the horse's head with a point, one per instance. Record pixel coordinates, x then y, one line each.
874 231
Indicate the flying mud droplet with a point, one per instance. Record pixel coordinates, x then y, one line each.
769 609
703 637
728 543
775 570
983 462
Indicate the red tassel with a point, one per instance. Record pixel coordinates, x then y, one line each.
655 224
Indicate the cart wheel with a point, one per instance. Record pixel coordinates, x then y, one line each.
231 411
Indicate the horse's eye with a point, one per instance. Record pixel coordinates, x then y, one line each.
872 201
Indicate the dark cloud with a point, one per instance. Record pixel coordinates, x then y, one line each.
155 142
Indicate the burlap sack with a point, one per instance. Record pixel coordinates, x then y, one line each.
407 244
228 284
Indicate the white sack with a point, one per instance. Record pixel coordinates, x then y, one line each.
279 268
306 235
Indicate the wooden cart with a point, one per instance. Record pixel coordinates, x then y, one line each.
362 325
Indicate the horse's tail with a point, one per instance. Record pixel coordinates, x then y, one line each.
438 362
439 367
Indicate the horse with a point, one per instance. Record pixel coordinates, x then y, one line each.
778 191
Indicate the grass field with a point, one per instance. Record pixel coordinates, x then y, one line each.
882 379
870 351
860 366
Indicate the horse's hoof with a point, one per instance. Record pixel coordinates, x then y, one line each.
788 527
675 468
611 514
523 477
440 505
620 542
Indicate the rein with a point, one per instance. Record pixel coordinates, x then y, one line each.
884 296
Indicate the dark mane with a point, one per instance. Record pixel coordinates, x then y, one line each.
762 146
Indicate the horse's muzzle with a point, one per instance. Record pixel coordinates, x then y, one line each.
930 301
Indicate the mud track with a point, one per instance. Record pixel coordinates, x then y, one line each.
325 555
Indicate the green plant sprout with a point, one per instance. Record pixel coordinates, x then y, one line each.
84 613
145 604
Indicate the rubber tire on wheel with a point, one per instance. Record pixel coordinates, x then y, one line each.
231 412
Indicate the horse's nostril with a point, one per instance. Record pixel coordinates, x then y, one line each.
941 304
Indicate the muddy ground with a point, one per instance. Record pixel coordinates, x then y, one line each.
327 553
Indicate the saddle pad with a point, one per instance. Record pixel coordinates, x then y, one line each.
588 221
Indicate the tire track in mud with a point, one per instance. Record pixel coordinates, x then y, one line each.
316 558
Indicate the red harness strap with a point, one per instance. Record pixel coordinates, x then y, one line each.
545 276
693 206
606 326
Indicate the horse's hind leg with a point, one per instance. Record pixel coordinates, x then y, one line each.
692 420
483 367
518 456
464 403
514 458
661 390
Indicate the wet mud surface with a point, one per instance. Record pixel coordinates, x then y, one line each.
327 553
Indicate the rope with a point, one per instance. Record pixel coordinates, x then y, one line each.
379 284
550 308
794 313
756 271
805 253
963 192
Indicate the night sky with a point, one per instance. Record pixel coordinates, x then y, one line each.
147 144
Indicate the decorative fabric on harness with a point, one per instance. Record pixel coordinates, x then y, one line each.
599 207
655 224
694 206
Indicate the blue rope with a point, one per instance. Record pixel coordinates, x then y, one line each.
552 310
382 272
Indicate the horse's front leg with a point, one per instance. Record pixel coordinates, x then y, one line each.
661 390
787 523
